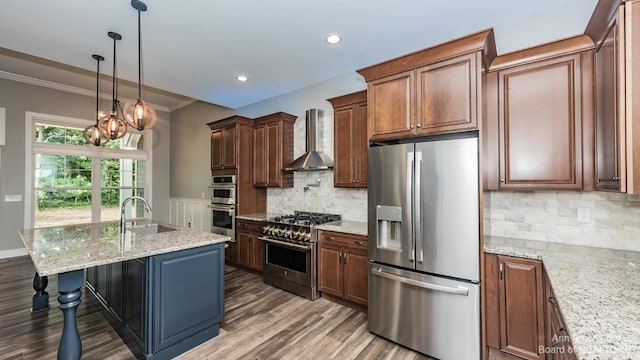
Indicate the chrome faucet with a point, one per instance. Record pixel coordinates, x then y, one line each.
144 202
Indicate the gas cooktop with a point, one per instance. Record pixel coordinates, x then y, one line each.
304 218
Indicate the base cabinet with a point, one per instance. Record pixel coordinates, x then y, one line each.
342 266
250 249
165 308
521 316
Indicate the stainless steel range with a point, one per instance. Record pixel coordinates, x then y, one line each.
290 252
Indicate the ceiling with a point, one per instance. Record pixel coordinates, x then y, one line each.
196 48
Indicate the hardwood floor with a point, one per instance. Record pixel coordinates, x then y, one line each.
261 322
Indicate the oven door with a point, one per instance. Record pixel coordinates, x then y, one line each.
291 262
223 220
221 194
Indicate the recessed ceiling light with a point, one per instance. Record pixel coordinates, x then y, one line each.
242 78
333 38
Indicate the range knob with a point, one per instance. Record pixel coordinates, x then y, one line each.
307 237
288 234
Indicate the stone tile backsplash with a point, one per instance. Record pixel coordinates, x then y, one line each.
351 204
598 219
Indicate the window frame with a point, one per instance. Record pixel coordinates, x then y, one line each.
95 153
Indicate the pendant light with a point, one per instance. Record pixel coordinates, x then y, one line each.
92 134
114 126
139 113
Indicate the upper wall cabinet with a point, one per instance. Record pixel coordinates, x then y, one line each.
615 28
538 110
350 143
225 140
432 91
272 150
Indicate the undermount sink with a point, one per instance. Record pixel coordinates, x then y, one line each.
151 229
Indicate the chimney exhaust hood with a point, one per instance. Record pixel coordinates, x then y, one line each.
312 159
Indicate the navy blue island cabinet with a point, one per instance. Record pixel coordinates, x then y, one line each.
163 305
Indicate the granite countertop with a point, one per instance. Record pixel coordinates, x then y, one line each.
73 247
598 291
257 216
344 226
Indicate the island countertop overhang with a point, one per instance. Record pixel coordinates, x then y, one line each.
59 249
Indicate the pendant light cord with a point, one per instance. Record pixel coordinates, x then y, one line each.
98 92
139 60
114 87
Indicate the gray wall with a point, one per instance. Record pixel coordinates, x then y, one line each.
18 98
191 150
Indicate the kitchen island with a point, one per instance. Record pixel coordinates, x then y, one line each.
156 285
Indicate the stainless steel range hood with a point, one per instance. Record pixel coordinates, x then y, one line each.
312 159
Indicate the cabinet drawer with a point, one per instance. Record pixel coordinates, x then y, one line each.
250 226
350 240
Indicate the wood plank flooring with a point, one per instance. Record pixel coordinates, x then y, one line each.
261 322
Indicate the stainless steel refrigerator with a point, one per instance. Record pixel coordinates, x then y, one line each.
424 256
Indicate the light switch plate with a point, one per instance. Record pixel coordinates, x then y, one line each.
12 198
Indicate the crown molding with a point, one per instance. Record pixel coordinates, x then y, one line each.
70 89
182 104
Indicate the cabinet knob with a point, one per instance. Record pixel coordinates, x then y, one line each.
502 180
411 126
357 181
418 126
353 181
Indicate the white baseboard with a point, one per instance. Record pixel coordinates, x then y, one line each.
5 254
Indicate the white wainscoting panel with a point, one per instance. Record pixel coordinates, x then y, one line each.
191 213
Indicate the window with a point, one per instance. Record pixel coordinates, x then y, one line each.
69 181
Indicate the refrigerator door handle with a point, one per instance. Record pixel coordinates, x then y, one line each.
418 208
460 290
412 253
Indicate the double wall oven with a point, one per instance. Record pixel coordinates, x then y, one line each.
223 205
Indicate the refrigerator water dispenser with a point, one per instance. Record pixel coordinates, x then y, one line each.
389 222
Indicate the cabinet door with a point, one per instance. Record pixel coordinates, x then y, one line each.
216 149
245 248
231 252
607 139
540 125
116 274
101 285
259 160
330 269
135 286
344 144
229 147
446 96
391 106
361 145
355 276
273 153
258 252
521 307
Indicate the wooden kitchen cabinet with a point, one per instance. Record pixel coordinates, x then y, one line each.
615 28
609 140
342 268
225 141
350 145
540 119
557 337
540 124
514 306
433 91
273 150
250 250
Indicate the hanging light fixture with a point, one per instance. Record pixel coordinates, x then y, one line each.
113 126
139 114
92 134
